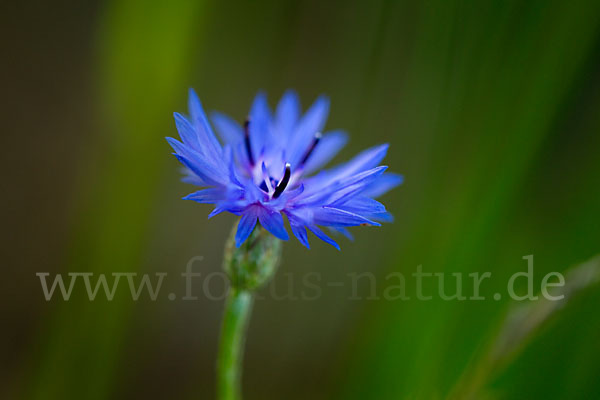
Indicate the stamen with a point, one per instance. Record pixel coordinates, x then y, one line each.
284 181
247 141
314 144
267 183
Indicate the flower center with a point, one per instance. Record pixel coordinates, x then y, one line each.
269 184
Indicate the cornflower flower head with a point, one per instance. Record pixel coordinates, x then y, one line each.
271 165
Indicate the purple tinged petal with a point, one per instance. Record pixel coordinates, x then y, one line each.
272 221
245 226
321 235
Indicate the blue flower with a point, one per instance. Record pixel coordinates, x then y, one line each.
271 166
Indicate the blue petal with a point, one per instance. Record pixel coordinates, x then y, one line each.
253 193
353 185
383 184
312 122
343 231
210 195
289 194
203 170
287 114
218 168
329 216
179 147
231 167
230 131
366 159
205 134
383 217
245 226
191 178
273 222
300 232
361 177
217 210
186 131
321 235
326 191
260 117
204 177
361 204
329 145
236 207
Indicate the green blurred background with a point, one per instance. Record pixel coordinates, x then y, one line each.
492 112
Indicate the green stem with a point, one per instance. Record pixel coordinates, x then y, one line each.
231 347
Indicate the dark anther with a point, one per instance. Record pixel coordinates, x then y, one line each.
247 141
284 182
314 144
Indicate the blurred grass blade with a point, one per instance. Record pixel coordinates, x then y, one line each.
142 57
489 88
521 325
